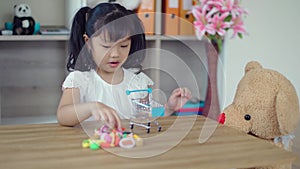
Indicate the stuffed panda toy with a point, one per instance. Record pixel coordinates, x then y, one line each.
23 23
129 4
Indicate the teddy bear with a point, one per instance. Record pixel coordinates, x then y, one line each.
266 106
23 23
129 4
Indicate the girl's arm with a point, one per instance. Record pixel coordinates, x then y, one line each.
66 111
71 112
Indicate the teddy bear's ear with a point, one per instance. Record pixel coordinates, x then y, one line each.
287 109
15 6
252 65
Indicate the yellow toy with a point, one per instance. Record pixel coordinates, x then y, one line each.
266 106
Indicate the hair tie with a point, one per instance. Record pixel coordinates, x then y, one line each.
85 36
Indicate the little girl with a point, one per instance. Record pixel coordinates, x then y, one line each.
106 45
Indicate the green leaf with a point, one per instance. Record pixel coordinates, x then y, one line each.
211 36
240 35
220 44
228 18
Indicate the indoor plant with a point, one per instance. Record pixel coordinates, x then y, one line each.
213 19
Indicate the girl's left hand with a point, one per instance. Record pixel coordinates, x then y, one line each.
177 99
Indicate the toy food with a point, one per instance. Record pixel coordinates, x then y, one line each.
104 137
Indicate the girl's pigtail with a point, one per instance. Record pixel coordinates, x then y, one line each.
76 41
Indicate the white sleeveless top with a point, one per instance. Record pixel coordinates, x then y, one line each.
93 88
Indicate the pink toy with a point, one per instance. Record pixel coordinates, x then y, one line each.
107 138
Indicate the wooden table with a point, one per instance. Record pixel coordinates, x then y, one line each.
53 146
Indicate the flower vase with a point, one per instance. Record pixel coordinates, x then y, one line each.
212 106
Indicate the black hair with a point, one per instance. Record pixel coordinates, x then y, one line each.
117 21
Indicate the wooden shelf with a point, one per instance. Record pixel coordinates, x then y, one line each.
66 38
34 38
171 37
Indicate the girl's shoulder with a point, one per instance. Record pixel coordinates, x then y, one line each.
78 78
84 75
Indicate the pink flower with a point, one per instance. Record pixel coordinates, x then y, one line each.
238 27
215 17
209 4
201 24
218 25
237 10
228 5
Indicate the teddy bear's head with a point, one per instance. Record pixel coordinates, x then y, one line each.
129 4
265 104
22 10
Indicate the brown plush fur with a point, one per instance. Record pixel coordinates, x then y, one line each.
270 100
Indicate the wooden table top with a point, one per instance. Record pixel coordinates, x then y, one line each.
177 146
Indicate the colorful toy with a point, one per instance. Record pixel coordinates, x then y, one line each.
145 110
105 137
266 106
23 23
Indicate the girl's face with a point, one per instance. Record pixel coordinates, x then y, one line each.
110 56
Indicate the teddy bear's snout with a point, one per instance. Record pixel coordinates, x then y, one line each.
221 118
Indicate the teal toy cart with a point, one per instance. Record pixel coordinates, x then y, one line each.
144 110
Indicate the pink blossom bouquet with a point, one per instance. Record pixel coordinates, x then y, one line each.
213 18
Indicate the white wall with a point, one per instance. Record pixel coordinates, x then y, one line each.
273 40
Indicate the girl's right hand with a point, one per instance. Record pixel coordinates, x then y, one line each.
108 115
